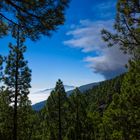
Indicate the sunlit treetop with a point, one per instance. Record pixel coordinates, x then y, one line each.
35 17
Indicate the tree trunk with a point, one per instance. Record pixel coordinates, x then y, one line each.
60 131
16 91
77 122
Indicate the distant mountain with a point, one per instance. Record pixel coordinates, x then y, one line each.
38 106
69 89
85 87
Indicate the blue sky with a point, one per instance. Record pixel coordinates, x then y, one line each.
75 53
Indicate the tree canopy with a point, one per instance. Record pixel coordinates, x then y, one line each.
126 27
35 17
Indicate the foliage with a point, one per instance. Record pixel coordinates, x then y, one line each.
1 62
6 111
35 17
108 111
54 113
81 113
126 27
17 80
122 116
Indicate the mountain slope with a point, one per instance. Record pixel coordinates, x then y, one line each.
85 87
40 105
95 90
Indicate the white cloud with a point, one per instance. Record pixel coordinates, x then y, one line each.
38 95
35 98
109 64
87 37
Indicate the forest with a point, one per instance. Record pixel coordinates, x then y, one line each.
108 111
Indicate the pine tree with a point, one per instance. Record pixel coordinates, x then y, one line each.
121 119
130 100
26 118
55 112
113 123
59 89
5 115
77 92
17 77
74 111
36 17
127 27
5 109
77 116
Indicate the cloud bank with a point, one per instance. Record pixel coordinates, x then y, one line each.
38 95
87 37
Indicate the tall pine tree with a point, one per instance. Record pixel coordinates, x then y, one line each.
55 112
121 119
75 115
17 77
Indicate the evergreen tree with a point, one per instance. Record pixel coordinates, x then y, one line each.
77 126
5 115
37 127
75 115
36 17
77 121
26 121
55 113
121 119
130 100
127 27
17 77
112 121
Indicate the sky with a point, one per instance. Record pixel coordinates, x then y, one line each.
75 53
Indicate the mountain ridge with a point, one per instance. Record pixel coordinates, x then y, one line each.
50 89
38 106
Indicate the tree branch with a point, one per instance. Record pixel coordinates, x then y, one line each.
131 32
8 19
21 9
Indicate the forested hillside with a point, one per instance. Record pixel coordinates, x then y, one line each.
81 113
101 95
80 116
93 115
38 106
108 111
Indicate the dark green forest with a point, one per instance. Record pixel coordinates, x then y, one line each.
108 111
